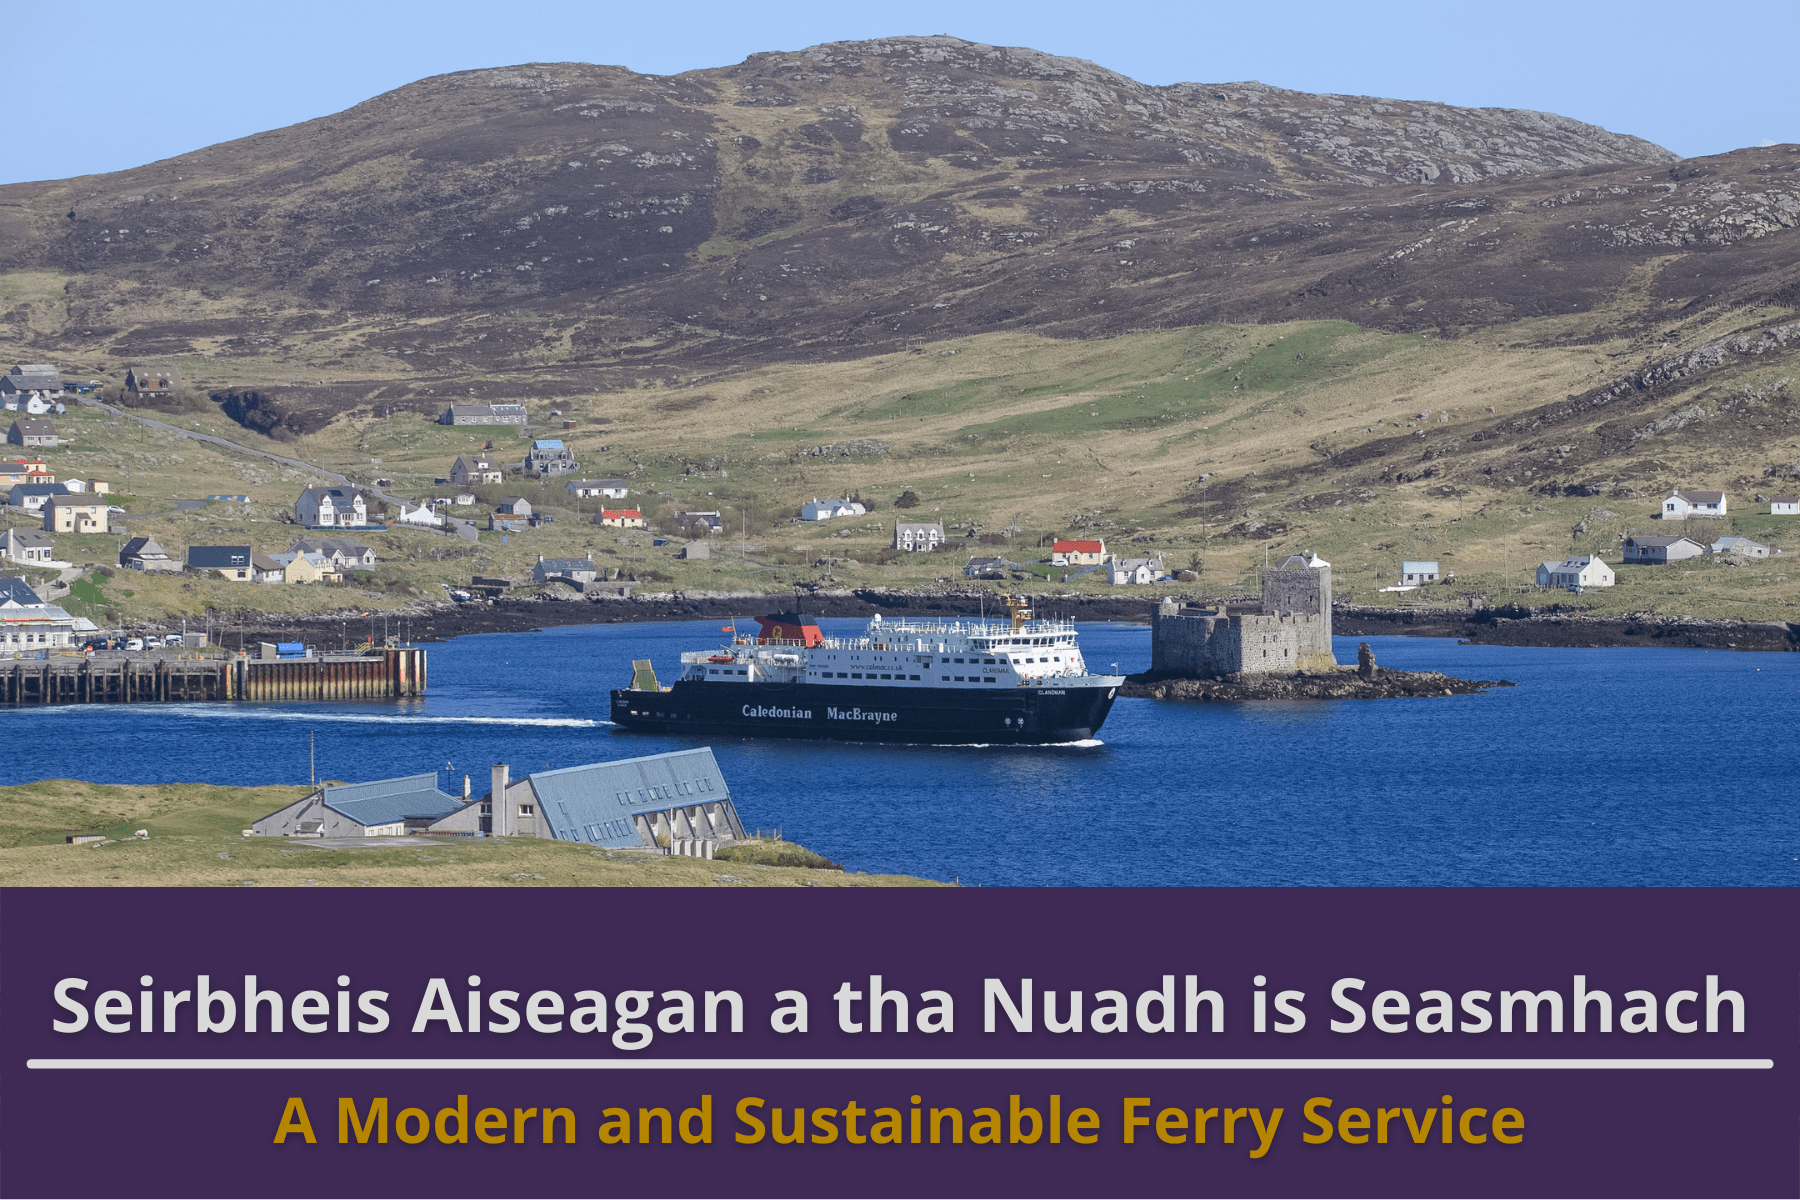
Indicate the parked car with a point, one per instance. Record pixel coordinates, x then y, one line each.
134 643
153 643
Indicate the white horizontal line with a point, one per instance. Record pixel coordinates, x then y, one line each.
900 1064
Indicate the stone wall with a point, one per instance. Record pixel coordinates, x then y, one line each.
1302 590
1208 644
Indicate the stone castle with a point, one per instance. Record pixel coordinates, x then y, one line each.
1292 633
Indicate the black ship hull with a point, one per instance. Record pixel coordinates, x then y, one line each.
943 716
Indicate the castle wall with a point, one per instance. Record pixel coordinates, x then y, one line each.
1302 590
1206 645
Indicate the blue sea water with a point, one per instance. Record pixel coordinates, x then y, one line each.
1603 767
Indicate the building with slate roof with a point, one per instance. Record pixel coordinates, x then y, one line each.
32 431
27 546
30 379
918 536
1661 551
233 562
152 381
632 803
483 414
612 489
15 592
379 808
325 507
33 496
548 456
1684 504
570 570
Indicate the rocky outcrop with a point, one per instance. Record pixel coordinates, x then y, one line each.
1345 684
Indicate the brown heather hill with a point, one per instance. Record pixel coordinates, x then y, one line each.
854 198
1456 299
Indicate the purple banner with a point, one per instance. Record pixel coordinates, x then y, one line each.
1379 1042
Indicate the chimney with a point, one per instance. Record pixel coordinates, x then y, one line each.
501 777
466 789
540 558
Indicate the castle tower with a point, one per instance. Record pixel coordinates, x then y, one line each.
1301 583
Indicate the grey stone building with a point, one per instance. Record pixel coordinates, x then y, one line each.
1301 584
569 570
549 457
1208 643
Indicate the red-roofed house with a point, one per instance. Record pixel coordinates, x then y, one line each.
1077 554
620 518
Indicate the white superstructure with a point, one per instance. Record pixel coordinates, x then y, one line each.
909 653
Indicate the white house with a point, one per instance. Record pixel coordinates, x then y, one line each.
1784 506
611 489
924 536
26 546
1682 505
1134 570
1660 551
1741 546
1576 571
331 506
422 515
825 510
1412 574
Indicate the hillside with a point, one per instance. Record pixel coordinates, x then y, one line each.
1221 319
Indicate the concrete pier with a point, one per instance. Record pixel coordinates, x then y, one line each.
123 679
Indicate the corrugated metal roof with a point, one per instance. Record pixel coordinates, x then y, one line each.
384 801
597 803
1419 568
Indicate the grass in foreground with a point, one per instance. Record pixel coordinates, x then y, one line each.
196 840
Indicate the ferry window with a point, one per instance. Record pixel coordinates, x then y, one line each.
943 660
743 672
988 661
887 676
856 675
841 675
960 679
914 678
945 678
959 660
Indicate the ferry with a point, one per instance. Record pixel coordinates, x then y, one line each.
958 682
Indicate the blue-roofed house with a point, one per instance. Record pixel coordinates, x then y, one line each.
1412 574
33 496
632 803
379 808
548 456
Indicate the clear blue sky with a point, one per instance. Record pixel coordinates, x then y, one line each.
111 85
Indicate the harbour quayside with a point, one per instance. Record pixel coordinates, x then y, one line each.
937 682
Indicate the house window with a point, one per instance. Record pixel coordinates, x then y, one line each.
487 810
526 810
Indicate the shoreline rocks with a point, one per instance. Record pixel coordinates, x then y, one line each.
1347 683
1566 625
